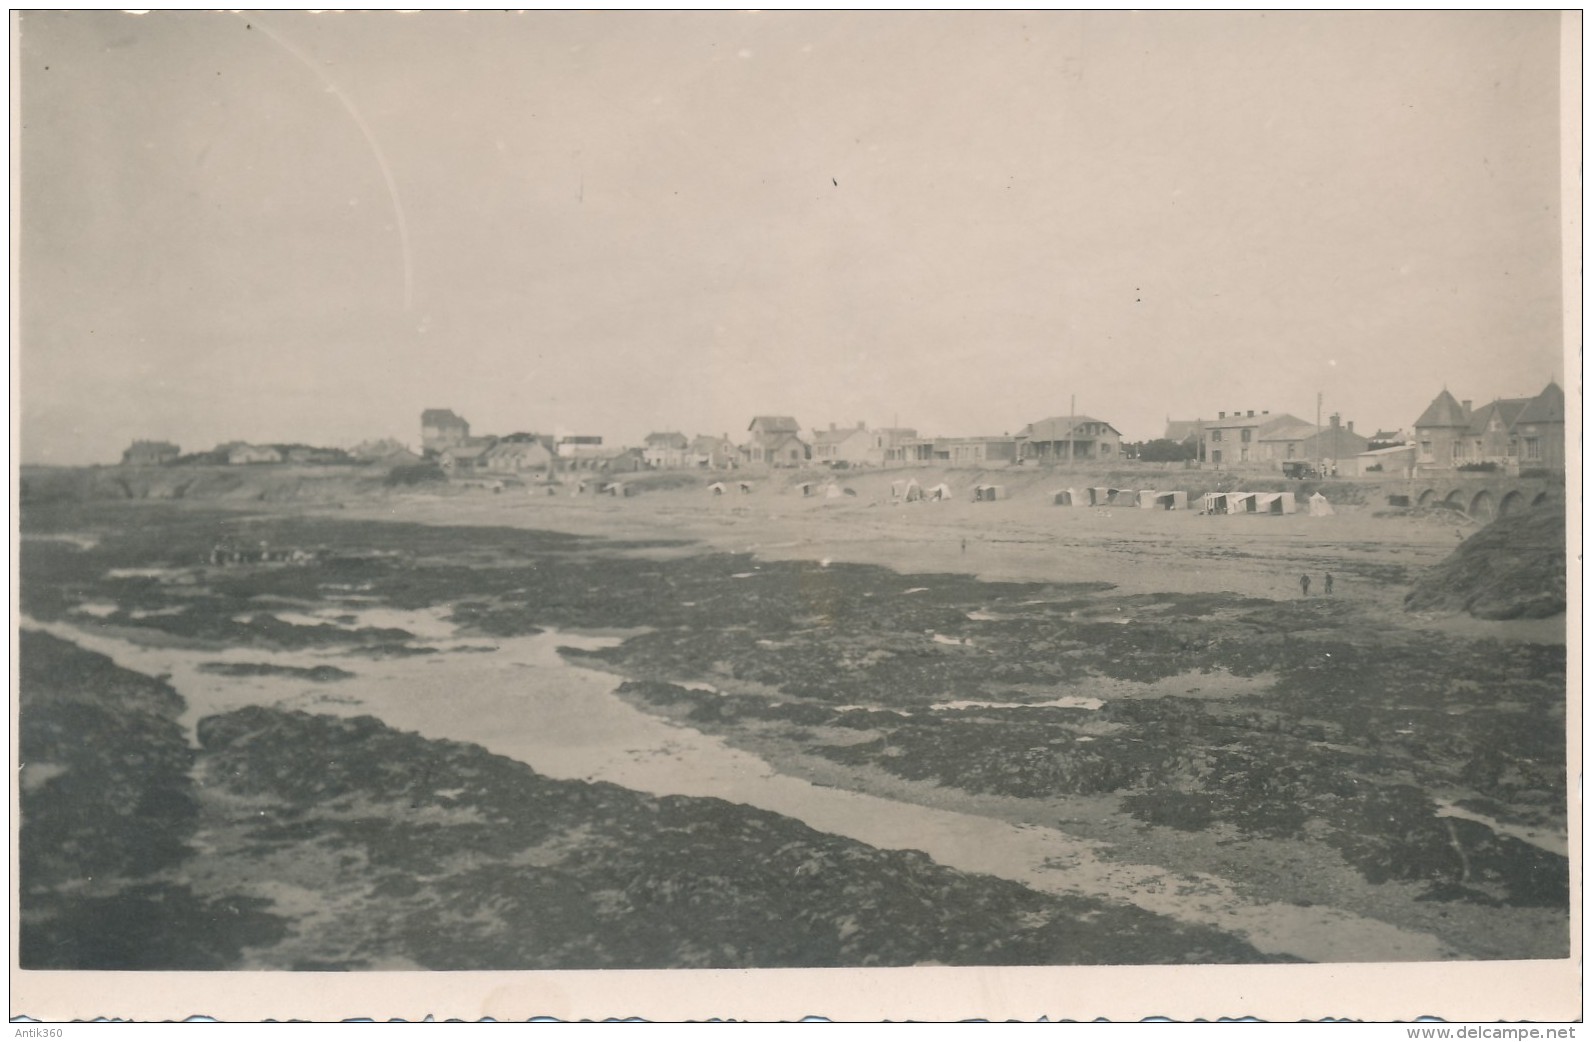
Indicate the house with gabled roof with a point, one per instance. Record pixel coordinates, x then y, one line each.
1539 430
149 454
666 449
713 452
776 441
1063 438
442 429
466 456
1298 440
512 457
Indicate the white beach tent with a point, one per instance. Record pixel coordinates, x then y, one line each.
1319 507
940 491
1065 497
988 493
717 488
806 487
1169 500
831 491
1242 502
1099 497
1275 503
1147 499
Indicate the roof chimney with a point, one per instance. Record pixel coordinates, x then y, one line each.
1265 412
1221 416
1351 426
1334 419
1252 412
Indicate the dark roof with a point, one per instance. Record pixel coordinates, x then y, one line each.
1057 428
1181 430
773 425
1547 407
1293 431
441 418
517 448
1506 409
1444 412
668 439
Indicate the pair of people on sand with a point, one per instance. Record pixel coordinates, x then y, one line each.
1304 585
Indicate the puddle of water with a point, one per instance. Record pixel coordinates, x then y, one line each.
983 616
97 609
141 573
1553 841
82 542
1064 702
526 702
940 638
915 589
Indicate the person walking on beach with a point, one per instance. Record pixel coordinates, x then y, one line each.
964 546
1328 584
1304 585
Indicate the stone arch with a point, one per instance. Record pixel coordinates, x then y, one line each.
1427 498
1455 499
1540 498
1481 506
1511 502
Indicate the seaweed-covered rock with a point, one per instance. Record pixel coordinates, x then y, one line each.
1514 568
442 855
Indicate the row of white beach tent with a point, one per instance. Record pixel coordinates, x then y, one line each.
910 491
1263 503
1144 498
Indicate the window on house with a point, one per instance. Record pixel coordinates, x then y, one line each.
1216 435
1459 450
1426 450
1533 448
1243 454
1243 435
1514 448
1478 448
1292 446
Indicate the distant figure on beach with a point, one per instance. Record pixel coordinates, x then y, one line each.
1304 586
964 545
1328 584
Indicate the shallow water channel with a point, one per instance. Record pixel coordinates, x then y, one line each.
523 700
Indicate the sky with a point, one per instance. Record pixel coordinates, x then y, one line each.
294 227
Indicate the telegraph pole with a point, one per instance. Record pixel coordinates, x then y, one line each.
1318 418
1072 423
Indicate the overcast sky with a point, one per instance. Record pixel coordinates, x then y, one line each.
295 227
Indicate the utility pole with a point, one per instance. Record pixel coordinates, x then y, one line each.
1318 416
1072 422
